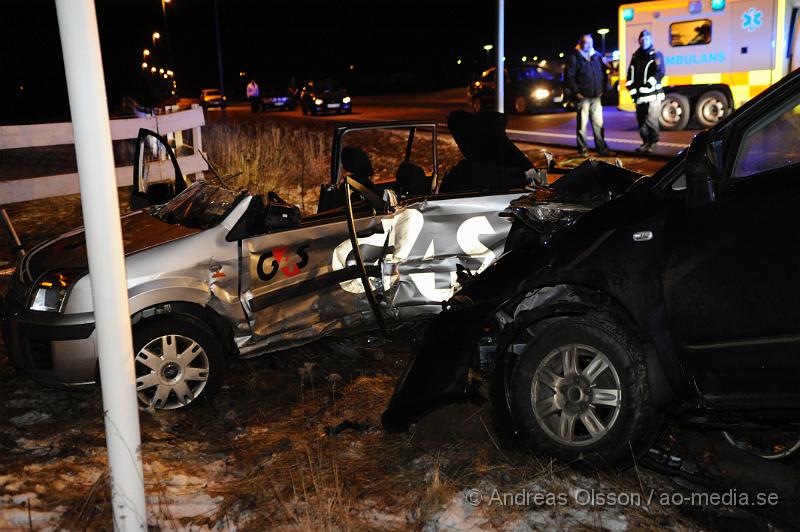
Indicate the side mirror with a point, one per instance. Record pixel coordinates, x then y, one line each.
703 160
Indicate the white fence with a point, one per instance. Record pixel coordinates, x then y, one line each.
40 135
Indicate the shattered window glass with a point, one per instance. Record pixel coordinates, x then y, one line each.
199 206
771 144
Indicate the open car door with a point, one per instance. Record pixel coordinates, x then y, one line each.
157 178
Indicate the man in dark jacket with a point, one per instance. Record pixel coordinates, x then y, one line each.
586 78
644 84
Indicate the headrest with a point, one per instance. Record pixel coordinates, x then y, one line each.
356 162
481 137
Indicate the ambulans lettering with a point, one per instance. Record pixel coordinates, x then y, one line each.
695 59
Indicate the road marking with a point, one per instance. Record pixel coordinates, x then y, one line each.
524 134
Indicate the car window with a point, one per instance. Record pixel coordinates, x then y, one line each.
772 143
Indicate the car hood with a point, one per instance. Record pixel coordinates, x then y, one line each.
330 95
140 231
590 185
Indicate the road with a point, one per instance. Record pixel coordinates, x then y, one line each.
557 128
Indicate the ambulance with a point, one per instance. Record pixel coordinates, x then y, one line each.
718 53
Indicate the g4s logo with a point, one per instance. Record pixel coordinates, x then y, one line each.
280 260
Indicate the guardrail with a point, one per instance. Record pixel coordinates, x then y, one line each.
172 124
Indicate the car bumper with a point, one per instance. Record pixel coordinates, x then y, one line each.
331 107
52 348
277 103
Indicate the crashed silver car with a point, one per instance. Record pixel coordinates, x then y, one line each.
213 272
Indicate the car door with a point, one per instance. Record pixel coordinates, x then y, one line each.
731 286
157 177
292 285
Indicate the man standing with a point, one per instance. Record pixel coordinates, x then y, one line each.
586 78
644 84
254 95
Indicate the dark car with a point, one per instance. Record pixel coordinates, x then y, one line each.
325 96
677 296
277 98
526 88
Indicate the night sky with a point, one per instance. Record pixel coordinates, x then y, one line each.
393 46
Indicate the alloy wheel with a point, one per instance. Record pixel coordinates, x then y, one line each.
576 395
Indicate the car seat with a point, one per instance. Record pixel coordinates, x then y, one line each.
411 180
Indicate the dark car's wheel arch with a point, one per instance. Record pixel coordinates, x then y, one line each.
582 302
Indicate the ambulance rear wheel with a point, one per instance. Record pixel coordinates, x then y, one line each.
711 107
675 112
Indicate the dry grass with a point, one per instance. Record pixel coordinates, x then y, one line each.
292 160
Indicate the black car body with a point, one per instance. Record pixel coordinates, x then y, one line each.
324 96
277 98
526 88
684 284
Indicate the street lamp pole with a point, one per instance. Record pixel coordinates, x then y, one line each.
602 33
219 58
501 30
83 66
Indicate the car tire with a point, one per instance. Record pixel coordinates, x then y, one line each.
166 378
313 112
476 105
520 105
710 108
304 110
675 112
348 111
579 393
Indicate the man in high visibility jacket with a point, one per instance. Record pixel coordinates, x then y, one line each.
644 84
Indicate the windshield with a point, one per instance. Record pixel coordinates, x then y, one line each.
200 206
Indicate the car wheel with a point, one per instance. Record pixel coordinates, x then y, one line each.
711 107
304 110
348 111
476 105
313 112
178 362
520 104
675 112
579 392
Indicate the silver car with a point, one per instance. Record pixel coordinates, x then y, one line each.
213 272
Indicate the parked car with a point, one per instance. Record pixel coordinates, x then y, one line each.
526 88
212 98
325 96
677 295
277 98
213 271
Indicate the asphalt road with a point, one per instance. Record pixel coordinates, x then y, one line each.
547 127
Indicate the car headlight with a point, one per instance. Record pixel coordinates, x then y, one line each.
50 291
346 99
557 212
541 94
318 101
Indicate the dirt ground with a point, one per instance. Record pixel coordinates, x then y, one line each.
294 441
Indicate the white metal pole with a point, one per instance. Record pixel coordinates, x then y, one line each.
501 52
87 100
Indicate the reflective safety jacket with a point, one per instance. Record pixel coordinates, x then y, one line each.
645 72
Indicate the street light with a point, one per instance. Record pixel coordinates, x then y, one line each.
145 52
156 36
488 48
602 33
